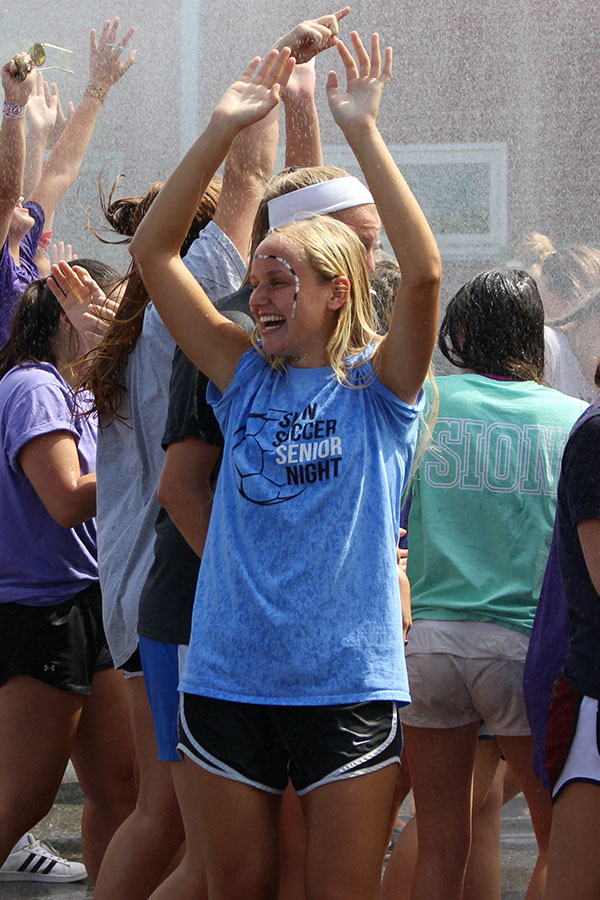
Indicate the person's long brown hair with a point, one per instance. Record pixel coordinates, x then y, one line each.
35 324
104 377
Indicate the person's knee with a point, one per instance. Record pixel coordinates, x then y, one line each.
159 802
112 799
339 887
450 845
21 813
160 823
114 790
239 879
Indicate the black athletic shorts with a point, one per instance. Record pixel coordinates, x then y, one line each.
264 746
132 667
62 645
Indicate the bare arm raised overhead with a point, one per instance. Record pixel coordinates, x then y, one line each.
12 142
250 162
107 66
403 356
211 342
302 132
41 110
248 168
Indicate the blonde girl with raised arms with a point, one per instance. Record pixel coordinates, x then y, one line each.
295 668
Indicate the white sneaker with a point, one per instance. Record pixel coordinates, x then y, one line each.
38 861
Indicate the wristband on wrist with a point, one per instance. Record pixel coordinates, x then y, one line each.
97 93
13 110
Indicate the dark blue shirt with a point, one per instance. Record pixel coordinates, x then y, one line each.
578 501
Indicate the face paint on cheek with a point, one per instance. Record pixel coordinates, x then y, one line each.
285 263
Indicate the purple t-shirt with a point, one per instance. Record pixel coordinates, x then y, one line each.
566 630
14 279
545 655
41 562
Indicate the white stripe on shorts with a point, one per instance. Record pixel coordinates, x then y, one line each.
210 763
583 761
348 770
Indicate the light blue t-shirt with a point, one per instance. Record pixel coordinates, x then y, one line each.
298 600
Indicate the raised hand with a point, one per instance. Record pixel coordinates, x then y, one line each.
42 106
107 60
62 119
357 108
85 304
61 252
312 36
17 92
98 318
256 92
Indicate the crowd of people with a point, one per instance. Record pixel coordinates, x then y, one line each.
261 572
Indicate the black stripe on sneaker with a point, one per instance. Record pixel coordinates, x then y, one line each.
24 867
39 864
50 866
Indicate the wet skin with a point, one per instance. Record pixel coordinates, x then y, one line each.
281 275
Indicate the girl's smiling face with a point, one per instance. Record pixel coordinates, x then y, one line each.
291 303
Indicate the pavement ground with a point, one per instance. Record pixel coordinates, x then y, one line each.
62 828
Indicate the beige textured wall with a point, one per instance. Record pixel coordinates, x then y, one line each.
522 73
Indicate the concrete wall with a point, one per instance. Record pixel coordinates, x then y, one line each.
518 77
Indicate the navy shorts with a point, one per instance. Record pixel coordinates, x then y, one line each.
63 645
265 746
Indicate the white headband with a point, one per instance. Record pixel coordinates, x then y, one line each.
318 199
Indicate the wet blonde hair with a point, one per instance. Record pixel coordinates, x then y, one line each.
428 418
292 179
572 273
332 250
533 248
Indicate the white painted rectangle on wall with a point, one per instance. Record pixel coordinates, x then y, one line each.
462 188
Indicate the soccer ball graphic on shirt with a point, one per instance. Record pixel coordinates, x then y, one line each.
259 479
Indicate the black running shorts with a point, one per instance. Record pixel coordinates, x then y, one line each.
62 645
264 746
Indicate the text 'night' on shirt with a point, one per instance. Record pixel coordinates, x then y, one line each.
298 600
